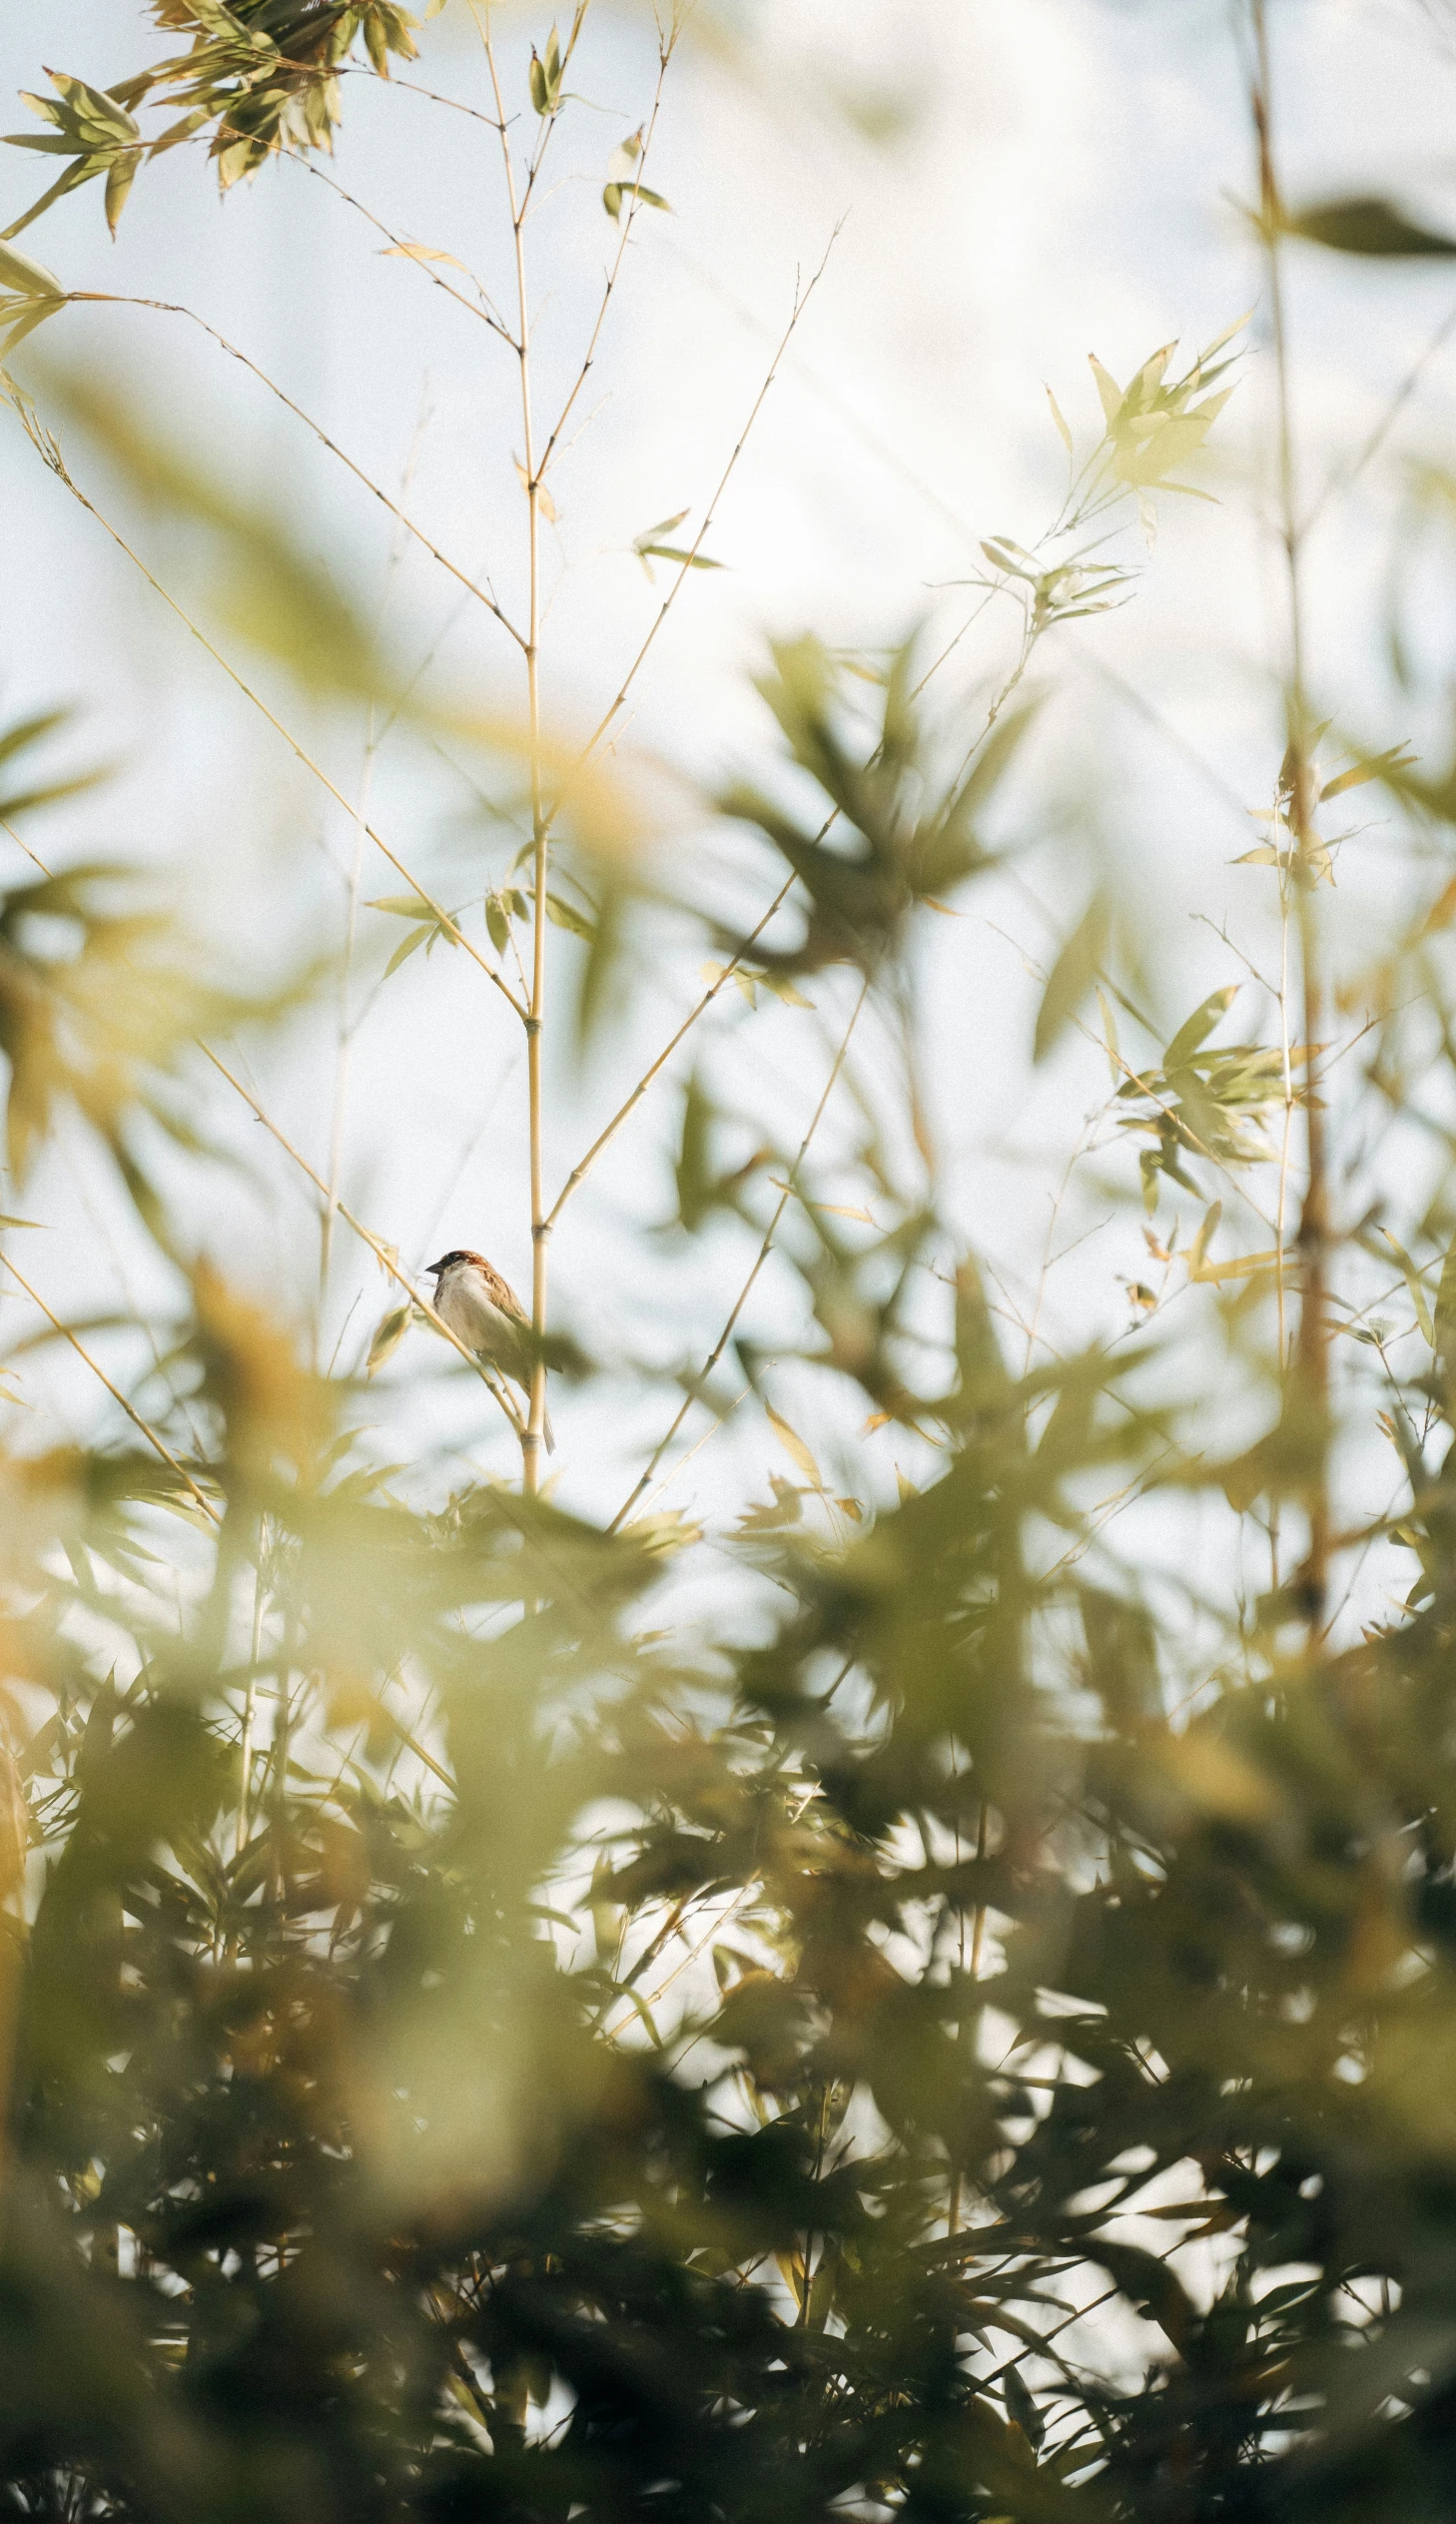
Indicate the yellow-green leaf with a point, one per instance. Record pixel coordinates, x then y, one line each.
1073 974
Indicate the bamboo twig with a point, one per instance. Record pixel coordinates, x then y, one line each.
569 406
801 301
382 1251
581 1171
145 1428
484 312
764 1249
533 1435
166 307
1312 1348
436 910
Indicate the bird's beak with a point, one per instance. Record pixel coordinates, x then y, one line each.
434 1269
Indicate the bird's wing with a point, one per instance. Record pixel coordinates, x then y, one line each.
503 1294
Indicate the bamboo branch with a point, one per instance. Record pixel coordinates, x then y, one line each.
633 206
145 1429
401 247
764 1249
382 1251
579 1172
165 306
532 1436
1312 1349
50 456
801 301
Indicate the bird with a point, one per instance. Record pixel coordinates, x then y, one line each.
484 1312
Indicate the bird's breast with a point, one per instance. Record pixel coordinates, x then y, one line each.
472 1317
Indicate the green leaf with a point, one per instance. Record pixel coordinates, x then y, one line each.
651 535
27 279
415 939
675 553
120 178
1073 974
27 322
1198 1026
566 916
1198 1256
1368 225
401 906
94 112
794 1446
390 1334
1376 767
1443 1337
1416 1286
784 990
1109 390
1056 414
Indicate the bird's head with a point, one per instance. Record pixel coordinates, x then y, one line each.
449 1261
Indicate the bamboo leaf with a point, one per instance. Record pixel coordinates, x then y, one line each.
1416 1286
564 915
1198 1026
1109 390
1376 767
390 1334
1368 225
25 277
1072 977
795 1448
416 938
1443 1328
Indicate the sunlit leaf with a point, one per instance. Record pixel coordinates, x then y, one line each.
1072 977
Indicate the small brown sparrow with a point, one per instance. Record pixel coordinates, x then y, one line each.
484 1312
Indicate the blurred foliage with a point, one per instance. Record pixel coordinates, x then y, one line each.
928 2036
472 2052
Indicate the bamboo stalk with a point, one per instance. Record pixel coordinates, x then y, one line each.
1313 1336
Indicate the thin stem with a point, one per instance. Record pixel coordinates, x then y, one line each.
633 204
533 1435
801 301
382 1253
346 975
401 246
51 458
579 1172
342 1065
1343 481
250 1706
1312 1349
1281 1206
165 306
279 1757
143 1427
764 1249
